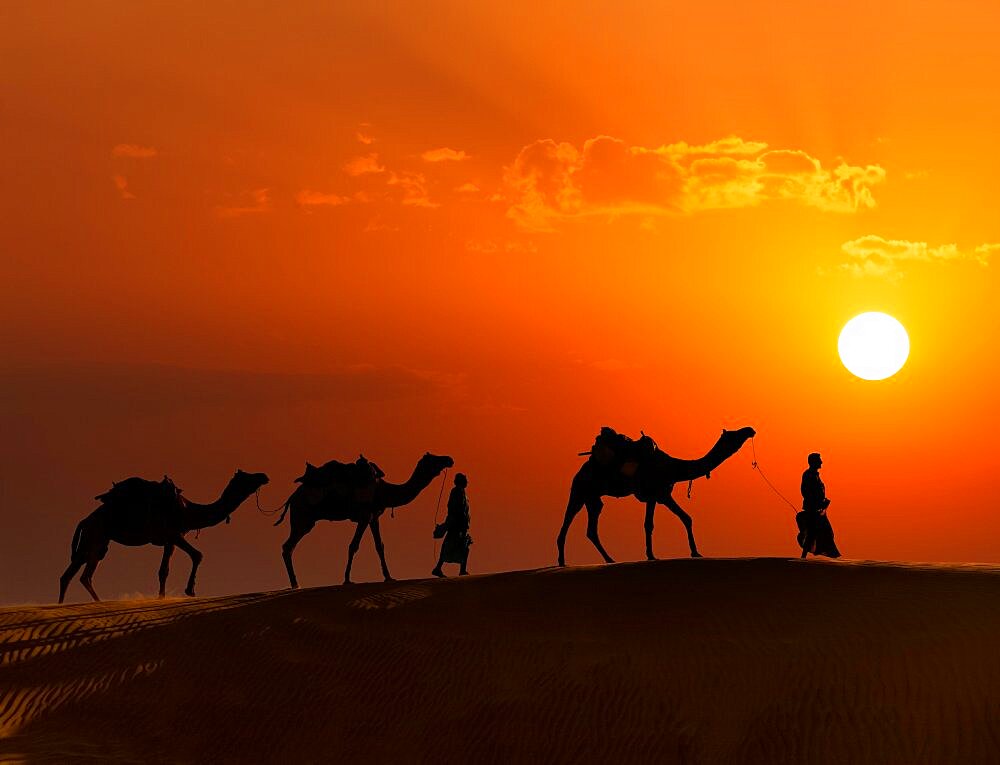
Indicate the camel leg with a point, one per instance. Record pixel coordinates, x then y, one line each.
352 548
676 509
650 509
67 577
168 550
575 506
593 513
88 545
196 557
294 537
380 549
88 574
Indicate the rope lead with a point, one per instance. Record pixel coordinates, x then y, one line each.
756 467
261 510
444 480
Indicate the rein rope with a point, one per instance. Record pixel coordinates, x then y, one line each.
437 510
261 510
756 466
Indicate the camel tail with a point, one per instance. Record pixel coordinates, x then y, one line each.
284 511
77 535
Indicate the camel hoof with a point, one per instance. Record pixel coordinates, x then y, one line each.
389 579
189 593
651 557
697 554
438 573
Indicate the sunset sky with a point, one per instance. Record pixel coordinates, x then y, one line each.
252 234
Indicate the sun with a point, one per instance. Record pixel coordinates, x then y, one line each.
873 346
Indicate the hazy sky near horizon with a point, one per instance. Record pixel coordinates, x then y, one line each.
252 234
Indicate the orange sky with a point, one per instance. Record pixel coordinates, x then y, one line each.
253 234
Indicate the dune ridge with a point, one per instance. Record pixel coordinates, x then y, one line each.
694 661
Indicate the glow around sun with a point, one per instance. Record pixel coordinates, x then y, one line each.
873 346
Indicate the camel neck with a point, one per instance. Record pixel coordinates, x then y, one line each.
201 516
689 470
397 494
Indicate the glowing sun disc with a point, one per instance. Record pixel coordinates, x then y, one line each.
873 346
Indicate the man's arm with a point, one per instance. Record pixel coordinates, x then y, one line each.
812 494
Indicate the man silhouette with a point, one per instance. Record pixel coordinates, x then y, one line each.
455 548
815 532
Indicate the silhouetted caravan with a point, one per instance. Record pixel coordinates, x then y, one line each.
620 467
138 512
351 492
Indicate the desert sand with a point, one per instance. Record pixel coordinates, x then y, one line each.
694 661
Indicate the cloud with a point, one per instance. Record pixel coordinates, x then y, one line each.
364 138
134 151
306 198
467 188
878 257
363 165
443 154
256 201
549 182
121 183
414 188
983 252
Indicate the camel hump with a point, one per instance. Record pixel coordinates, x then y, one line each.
140 490
323 474
354 474
610 446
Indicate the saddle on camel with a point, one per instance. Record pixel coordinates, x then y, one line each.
619 457
346 479
162 497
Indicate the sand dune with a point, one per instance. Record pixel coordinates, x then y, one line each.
700 661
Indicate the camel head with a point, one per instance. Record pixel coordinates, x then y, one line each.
247 483
433 464
731 440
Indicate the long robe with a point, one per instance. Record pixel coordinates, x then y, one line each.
455 547
814 525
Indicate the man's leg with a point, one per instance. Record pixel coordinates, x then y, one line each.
437 569
809 540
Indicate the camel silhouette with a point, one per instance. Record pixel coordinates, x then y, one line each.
163 521
653 483
310 504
